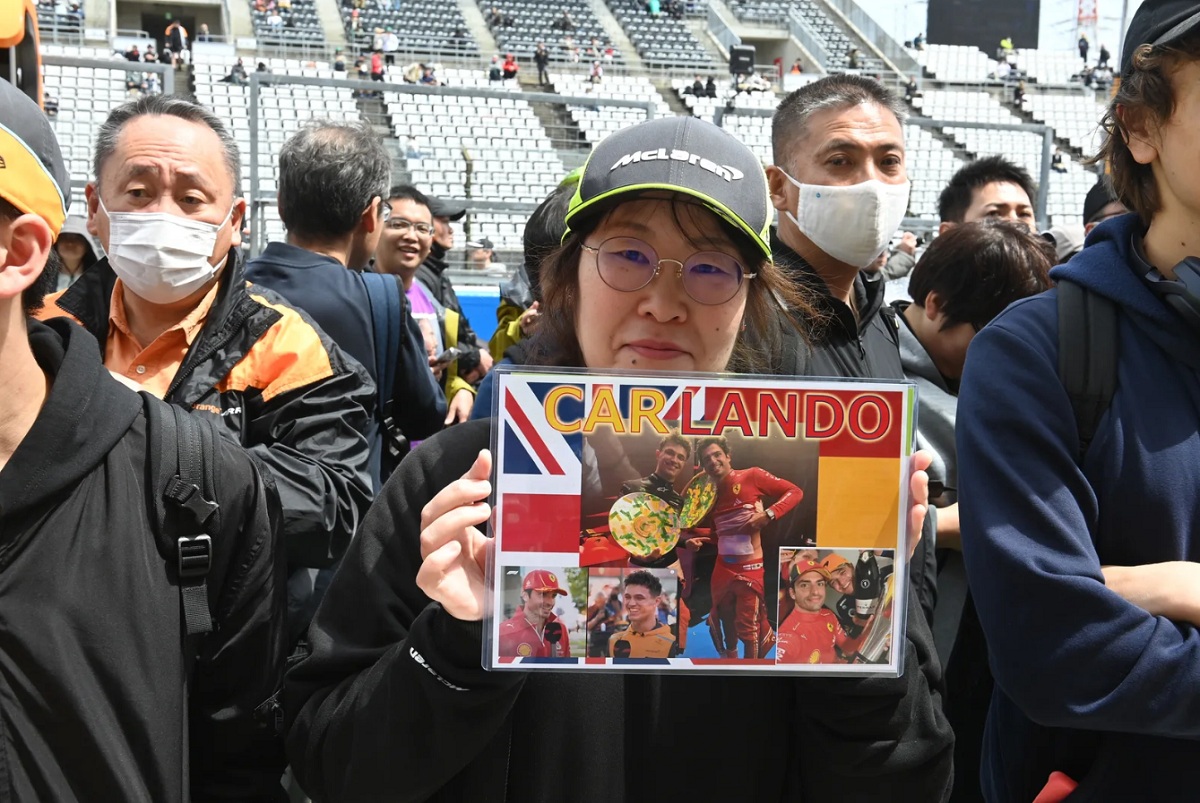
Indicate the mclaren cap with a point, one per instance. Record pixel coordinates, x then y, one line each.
1158 22
33 176
684 155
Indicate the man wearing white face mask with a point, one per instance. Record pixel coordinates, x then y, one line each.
841 188
174 314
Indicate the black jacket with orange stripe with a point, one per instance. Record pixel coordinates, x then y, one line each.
284 391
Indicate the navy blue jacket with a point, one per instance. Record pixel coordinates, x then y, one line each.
336 298
1086 682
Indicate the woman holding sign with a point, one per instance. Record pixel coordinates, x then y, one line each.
666 266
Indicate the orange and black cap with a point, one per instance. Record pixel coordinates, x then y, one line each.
33 176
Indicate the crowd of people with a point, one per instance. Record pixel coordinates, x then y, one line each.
213 468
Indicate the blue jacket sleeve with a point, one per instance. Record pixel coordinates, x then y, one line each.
1067 650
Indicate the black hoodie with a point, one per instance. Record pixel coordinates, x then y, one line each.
92 692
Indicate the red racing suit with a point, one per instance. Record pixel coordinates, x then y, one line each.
808 638
518 638
739 610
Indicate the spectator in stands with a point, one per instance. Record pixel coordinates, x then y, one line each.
427 77
988 187
351 734
339 60
1056 162
853 61
1083 47
911 90
479 254
97 658
355 20
391 44
177 41
405 245
495 74
1104 56
132 54
509 68
840 183
494 18
411 149
596 74
919 41
263 68
376 66
432 275
150 57
237 74
653 8
76 251
332 181
275 22
696 89
459 39
797 68
541 58
1101 204
1101 530
1019 95
173 311
564 23
710 87
202 35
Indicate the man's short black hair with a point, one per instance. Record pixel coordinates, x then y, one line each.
407 192
646 580
956 198
979 268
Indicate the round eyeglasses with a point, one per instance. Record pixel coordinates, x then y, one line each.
401 225
628 264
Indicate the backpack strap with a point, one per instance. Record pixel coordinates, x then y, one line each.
182 456
1087 356
383 293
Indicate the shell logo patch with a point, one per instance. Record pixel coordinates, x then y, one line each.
524 650
815 658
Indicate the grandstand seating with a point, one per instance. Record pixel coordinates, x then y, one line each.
85 97
284 110
775 12
661 41
1065 200
301 25
703 107
56 19
599 121
1055 67
957 63
512 158
420 25
1075 118
532 22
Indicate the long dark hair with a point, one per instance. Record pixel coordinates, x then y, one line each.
773 305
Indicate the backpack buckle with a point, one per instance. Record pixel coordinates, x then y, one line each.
194 556
191 498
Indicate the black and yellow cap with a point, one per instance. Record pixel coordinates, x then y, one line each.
684 155
33 176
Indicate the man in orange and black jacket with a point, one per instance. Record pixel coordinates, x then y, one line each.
174 315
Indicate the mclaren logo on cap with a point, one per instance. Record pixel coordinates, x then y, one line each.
727 172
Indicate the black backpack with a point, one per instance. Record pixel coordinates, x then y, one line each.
1087 356
182 454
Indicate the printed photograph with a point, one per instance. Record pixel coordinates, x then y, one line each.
835 606
714 510
633 613
544 614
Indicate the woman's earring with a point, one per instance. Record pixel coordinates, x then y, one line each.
744 324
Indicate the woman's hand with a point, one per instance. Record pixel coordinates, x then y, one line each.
1170 589
919 497
453 550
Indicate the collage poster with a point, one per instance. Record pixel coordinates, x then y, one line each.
717 524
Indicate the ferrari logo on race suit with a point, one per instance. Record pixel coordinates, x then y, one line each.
737 488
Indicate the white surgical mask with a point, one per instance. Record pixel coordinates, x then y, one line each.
161 257
852 224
